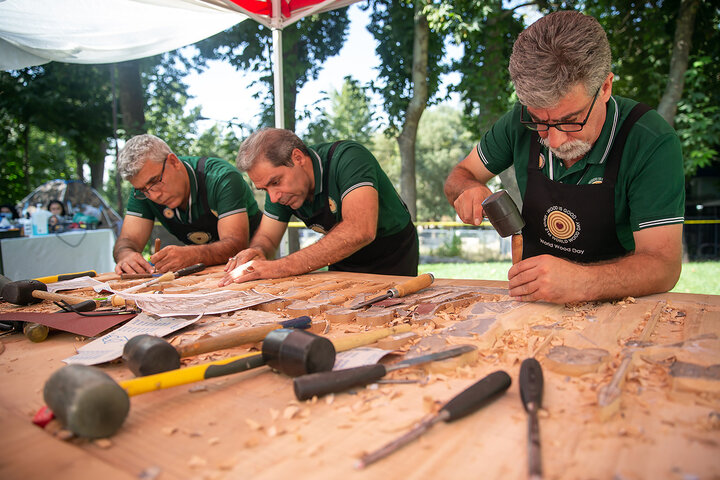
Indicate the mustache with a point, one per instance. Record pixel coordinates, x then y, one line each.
568 150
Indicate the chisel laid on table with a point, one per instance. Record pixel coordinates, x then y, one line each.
406 288
531 392
168 277
322 383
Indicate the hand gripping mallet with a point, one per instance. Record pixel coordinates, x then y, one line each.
505 217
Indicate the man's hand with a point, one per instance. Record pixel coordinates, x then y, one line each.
173 257
133 262
244 256
252 270
468 205
550 279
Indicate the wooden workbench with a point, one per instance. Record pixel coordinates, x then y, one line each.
250 426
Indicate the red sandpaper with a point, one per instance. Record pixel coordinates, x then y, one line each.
70 321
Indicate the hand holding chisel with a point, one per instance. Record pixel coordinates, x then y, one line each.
465 403
531 391
169 276
405 288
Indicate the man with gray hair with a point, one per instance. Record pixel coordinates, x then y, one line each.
337 189
203 201
601 176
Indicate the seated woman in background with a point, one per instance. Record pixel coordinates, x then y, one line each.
56 207
9 209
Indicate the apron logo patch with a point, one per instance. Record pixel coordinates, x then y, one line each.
332 205
541 161
319 229
167 213
199 238
596 181
561 224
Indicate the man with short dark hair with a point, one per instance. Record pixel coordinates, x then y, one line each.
337 189
203 201
601 176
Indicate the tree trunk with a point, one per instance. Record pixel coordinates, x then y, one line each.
79 167
679 60
26 155
132 101
97 168
408 136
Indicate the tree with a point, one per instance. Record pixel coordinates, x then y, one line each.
307 43
411 65
348 118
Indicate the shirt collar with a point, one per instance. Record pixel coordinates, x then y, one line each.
318 171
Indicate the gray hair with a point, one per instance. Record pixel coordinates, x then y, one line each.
138 150
274 145
556 53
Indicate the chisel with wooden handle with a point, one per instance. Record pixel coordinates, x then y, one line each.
322 383
463 404
168 277
531 392
405 288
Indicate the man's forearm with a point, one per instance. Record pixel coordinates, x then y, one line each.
123 246
217 252
459 180
634 275
341 242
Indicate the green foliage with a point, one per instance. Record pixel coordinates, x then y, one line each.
349 116
392 24
442 142
486 31
453 248
307 43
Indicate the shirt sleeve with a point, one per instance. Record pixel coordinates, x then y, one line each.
227 190
656 184
496 147
278 212
356 167
139 208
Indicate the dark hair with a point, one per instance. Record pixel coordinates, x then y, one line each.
62 206
12 209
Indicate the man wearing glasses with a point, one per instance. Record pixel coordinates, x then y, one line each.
203 201
601 176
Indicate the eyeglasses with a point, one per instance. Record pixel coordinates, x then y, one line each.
563 126
141 193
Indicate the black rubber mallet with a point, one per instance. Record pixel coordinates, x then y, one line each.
505 218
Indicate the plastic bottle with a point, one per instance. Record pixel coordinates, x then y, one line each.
40 219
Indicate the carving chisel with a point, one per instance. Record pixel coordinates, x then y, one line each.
464 403
406 288
531 392
169 276
322 383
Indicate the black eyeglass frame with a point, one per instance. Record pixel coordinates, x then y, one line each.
567 127
141 193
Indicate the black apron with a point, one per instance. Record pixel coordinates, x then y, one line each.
396 254
204 229
576 222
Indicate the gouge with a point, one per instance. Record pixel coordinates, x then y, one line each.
461 405
169 276
406 288
322 383
531 392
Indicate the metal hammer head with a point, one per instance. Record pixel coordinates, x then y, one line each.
503 214
296 352
20 292
148 354
87 401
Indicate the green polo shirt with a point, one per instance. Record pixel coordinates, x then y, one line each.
352 166
650 188
227 194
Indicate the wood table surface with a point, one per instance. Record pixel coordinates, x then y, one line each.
250 425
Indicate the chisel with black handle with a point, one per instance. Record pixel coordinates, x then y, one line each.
531 392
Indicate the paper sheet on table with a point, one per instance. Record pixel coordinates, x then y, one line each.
72 284
110 346
211 303
357 357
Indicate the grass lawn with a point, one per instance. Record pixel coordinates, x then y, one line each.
696 277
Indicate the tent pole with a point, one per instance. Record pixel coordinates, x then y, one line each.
278 78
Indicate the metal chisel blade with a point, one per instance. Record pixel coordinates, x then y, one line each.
432 357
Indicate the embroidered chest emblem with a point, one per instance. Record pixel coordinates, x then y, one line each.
332 204
541 161
561 224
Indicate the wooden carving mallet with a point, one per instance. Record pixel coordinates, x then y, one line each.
505 218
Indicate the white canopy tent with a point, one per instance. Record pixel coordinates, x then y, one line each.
33 32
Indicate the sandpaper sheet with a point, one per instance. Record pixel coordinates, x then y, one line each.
70 321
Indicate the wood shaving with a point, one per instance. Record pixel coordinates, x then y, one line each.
103 443
253 424
197 462
290 412
213 441
169 430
